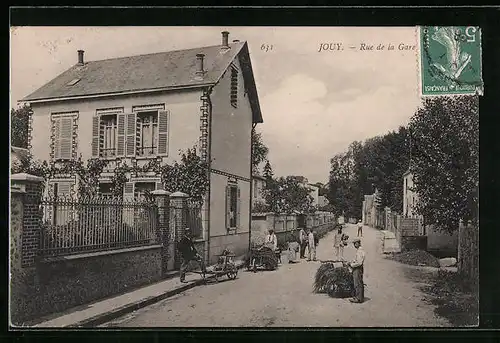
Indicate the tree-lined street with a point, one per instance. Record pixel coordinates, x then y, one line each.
284 297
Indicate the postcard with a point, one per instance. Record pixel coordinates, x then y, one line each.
244 177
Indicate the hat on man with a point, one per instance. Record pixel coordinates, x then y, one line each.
356 240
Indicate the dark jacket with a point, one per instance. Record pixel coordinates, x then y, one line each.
186 248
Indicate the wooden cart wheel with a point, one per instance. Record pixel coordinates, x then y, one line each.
232 274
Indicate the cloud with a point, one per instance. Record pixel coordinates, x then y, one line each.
304 125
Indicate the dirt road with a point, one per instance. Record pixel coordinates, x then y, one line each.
284 298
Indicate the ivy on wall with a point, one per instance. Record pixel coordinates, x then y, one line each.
190 175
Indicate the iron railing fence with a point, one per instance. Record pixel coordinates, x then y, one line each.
99 223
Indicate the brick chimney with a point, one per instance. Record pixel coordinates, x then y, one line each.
80 57
225 40
199 66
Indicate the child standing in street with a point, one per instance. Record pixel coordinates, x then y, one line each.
360 228
312 242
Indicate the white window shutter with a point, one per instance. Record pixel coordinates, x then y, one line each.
95 136
128 191
56 122
228 207
64 189
159 186
163 132
120 137
238 207
131 134
66 138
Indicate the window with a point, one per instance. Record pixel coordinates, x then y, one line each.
73 82
255 190
142 188
234 87
106 189
148 133
62 136
144 132
232 206
105 132
108 134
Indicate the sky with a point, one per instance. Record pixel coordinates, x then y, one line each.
314 104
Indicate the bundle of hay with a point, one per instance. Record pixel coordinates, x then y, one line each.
266 255
334 279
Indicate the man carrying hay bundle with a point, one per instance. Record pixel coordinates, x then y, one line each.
342 279
334 278
357 272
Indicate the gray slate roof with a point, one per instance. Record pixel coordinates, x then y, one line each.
141 72
164 70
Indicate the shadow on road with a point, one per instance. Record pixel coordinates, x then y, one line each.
454 299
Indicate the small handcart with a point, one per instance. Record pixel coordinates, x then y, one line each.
225 266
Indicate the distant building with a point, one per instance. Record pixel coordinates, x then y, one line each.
410 197
314 192
439 242
258 186
322 201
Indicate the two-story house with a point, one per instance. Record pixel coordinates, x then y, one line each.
137 108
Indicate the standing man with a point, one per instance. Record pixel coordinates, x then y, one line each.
312 242
360 228
339 241
303 242
188 254
357 272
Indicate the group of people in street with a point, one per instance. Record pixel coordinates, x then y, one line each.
307 240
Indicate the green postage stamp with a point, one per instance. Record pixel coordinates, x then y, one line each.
450 60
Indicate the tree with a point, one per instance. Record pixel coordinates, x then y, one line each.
268 171
259 151
189 176
445 159
345 185
294 195
19 120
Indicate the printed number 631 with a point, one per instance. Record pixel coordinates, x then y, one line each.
266 47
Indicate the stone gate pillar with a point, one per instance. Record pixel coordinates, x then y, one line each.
31 186
162 199
179 208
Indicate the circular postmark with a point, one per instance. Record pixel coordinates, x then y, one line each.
444 66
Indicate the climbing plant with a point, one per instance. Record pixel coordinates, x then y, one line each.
189 175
